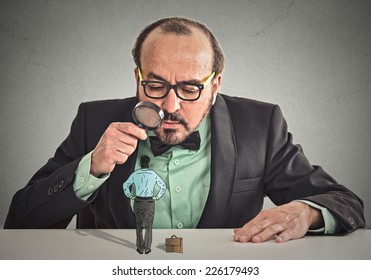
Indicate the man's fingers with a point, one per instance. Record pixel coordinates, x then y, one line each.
126 143
268 233
237 231
259 233
120 149
131 129
117 143
120 157
286 236
252 228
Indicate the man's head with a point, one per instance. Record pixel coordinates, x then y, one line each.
178 51
144 161
180 26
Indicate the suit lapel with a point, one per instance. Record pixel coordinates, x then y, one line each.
223 167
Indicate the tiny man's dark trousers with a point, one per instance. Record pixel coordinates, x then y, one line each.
144 210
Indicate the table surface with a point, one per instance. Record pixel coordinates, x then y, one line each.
202 244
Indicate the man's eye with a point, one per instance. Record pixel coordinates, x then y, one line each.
188 89
156 87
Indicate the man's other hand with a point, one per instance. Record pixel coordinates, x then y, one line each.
283 223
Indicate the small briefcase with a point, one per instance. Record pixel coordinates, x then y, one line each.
174 244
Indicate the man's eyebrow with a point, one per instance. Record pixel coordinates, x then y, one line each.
152 75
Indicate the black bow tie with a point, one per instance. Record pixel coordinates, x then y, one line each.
192 142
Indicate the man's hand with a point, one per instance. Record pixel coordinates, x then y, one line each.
117 143
285 222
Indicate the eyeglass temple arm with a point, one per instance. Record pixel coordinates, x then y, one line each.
209 78
140 74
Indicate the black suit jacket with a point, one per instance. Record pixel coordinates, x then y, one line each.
252 156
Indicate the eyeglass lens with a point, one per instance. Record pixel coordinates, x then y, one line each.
159 90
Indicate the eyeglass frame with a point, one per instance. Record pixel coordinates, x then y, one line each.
174 86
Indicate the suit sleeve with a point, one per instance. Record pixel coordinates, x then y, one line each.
49 200
290 176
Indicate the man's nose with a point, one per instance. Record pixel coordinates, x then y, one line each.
171 102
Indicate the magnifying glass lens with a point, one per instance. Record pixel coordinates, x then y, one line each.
148 115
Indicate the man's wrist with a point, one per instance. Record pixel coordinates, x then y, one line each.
93 170
329 221
316 218
86 183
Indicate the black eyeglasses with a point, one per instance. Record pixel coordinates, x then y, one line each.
185 91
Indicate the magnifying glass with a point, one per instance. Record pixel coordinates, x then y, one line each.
148 115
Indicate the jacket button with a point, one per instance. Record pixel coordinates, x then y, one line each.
61 184
50 191
350 219
56 188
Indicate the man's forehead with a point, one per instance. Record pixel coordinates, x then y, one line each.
192 50
157 39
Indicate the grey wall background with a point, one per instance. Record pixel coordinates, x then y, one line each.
313 58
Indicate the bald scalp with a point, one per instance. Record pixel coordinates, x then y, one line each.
180 26
187 57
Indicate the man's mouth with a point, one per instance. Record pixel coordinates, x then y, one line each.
167 124
173 121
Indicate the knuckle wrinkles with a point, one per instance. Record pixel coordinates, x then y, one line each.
129 129
273 228
283 215
256 228
110 133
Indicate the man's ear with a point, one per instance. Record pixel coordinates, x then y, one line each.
136 74
216 85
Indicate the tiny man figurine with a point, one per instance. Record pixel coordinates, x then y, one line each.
144 181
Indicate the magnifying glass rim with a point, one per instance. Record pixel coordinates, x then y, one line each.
149 105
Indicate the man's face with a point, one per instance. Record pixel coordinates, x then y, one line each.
175 59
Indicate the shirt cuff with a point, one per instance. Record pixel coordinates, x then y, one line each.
85 183
328 218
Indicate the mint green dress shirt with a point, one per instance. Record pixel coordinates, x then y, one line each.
187 177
